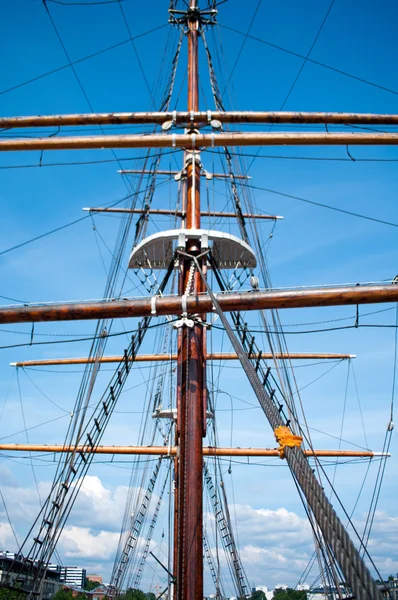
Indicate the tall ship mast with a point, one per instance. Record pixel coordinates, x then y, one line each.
203 279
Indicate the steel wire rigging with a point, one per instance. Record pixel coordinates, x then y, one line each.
276 394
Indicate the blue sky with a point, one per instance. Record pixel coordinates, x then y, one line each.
311 246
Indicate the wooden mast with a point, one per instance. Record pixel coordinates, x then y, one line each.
188 553
191 355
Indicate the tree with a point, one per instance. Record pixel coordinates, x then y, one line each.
150 596
6 594
132 594
290 594
63 595
90 585
68 595
281 595
258 595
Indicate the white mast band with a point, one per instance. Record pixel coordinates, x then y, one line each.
153 305
184 305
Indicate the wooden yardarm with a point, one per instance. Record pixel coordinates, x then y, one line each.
191 356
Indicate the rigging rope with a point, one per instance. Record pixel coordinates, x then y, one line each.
322 205
280 342
223 522
145 553
58 504
120 568
315 62
386 448
355 571
124 556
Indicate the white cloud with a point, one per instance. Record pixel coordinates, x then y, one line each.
99 507
82 543
7 539
7 477
271 526
383 546
269 566
275 544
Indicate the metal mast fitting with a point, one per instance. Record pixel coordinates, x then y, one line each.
157 250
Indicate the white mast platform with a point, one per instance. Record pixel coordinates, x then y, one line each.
157 250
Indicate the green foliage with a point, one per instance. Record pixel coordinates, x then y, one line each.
290 594
6 594
150 596
63 595
91 585
258 595
68 595
134 595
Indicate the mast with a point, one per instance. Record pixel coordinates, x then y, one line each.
188 553
191 355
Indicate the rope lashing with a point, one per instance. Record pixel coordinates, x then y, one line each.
286 439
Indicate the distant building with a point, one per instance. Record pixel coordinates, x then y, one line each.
330 593
317 594
73 576
302 587
12 555
100 593
15 572
96 578
389 588
75 590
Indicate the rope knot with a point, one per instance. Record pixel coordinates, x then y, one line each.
285 438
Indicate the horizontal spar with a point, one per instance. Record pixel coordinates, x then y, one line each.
173 305
198 141
169 357
142 118
165 172
179 213
172 451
